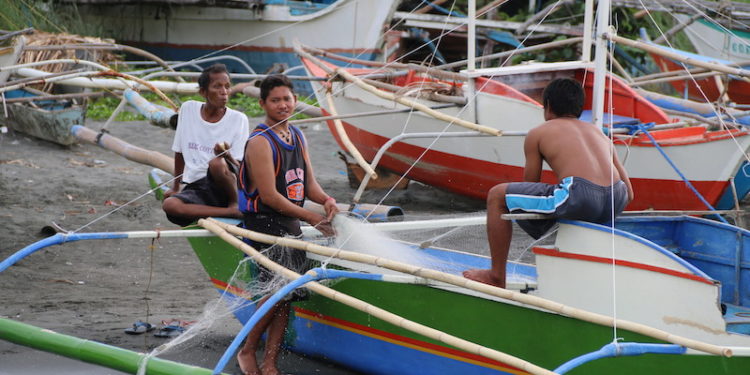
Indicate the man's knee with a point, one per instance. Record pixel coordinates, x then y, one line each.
171 205
496 195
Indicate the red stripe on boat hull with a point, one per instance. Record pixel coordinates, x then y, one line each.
474 178
619 262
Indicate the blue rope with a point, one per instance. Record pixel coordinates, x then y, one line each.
314 275
620 350
644 129
443 10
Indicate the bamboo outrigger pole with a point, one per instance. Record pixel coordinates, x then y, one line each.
346 141
472 285
744 74
417 106
398 321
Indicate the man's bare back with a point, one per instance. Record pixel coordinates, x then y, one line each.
574 148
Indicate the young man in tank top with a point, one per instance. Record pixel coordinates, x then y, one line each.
593 184
208 141
275 178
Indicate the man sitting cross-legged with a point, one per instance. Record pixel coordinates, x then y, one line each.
209 139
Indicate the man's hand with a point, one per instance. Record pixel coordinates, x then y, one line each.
320 223
219 148
331 208
170 193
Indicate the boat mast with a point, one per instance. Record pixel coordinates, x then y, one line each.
600 62
588 20
471 55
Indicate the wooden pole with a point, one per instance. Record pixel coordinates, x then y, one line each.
742 73
386 316
418 106
473 285
500 55
306 51
122 148
346 141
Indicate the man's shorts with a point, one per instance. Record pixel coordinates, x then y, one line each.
293 259
203 191
574 198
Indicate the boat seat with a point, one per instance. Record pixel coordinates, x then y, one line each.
526 216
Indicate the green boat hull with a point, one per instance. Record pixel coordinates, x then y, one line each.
327 329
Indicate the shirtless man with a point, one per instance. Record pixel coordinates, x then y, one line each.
209 140
583 160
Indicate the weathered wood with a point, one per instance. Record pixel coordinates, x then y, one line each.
58 97
344 138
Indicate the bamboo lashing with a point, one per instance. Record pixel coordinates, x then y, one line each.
396 320
479 287
418 106
346 141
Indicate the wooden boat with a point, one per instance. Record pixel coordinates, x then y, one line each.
471 166
259 32
48 119
704 89
667 277
714 41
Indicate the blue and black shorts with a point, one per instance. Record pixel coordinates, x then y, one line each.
574 198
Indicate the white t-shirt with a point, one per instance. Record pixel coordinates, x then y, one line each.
195 138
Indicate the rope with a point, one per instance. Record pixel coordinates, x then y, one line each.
645 131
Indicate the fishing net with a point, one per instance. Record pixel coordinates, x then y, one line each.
408 244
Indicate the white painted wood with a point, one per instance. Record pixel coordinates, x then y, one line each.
330 28
678 305
712 42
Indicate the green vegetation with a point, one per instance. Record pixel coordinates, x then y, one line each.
44 15
102 108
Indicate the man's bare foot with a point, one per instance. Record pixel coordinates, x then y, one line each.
248 363
485 276
270 370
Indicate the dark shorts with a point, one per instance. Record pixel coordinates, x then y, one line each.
574 198
293 259
202 191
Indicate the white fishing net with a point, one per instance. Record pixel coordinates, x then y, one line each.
410 246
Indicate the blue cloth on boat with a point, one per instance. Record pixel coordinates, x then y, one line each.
574 198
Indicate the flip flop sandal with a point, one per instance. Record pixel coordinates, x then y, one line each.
169 331
139 327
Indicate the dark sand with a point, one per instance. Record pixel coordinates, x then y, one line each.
95 289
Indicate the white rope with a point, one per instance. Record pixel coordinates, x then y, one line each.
692 78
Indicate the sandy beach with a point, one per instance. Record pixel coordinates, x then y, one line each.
96 289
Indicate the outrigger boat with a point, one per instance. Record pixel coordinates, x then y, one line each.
673 288
682 296
257 32
508 100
